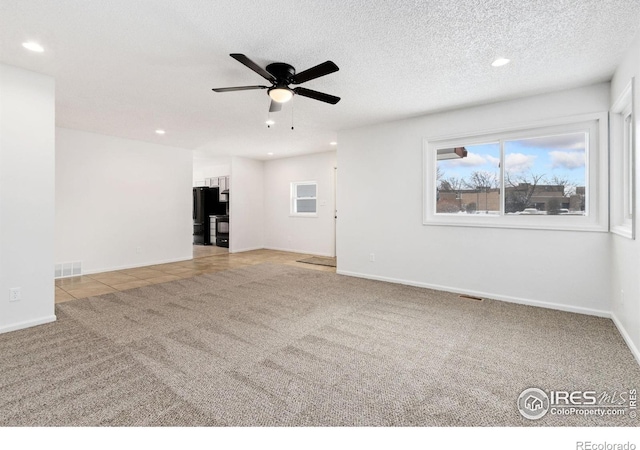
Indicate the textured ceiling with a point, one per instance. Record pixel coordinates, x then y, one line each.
128 67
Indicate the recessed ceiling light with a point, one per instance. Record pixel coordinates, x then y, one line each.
33 46
160 131
270 153
269 122
333 143
500 62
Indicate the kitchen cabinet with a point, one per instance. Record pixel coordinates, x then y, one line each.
220 182
223 184
212 229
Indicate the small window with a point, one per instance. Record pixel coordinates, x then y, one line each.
628 162
622 165
549 176
304 198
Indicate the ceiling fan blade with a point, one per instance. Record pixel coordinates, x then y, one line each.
317 95
315 72
253 66
239 88
275 106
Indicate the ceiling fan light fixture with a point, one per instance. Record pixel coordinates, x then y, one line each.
280 94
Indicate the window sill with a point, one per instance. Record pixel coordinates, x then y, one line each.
304 215
624 231
530 223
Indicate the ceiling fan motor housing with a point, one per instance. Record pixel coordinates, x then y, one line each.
280 91
283 73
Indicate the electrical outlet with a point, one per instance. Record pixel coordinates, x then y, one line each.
372 257
15 294
622 296
138 249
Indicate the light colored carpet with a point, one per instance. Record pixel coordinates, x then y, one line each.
319 260
276 345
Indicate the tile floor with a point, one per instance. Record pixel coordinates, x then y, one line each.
206 259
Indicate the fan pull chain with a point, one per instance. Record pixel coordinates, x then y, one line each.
292 115
269 121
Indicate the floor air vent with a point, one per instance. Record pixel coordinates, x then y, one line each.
68 269
470 297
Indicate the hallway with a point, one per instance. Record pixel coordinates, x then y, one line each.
206 259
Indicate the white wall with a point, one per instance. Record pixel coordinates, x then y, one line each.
246 205
380 211
27 133
204 168
625 253
314 235
121 203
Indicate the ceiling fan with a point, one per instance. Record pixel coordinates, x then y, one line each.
281 75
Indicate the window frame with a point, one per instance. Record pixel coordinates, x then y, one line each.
623 164
596 173
293 205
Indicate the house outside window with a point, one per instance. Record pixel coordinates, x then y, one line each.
304 198
548 176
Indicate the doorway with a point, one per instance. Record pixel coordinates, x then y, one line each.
335 212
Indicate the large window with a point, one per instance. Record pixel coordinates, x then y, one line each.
545 176
304 198
622 165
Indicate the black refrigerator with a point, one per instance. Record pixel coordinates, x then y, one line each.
205 203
